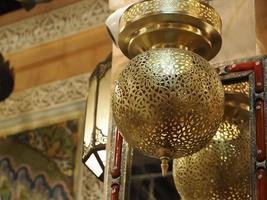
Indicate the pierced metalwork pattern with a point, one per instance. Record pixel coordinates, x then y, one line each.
242 88
194 8
221 170
161 100
100 137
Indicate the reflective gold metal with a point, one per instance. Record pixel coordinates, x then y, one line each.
222 169
168 103
170 23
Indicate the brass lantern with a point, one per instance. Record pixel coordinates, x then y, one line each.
168 101
97 119
222 169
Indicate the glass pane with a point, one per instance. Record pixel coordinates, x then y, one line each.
103 110
102 155
147 182
93 164
90 110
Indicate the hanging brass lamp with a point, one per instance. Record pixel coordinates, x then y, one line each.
222 169
168 101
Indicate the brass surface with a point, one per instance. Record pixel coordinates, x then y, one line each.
221 170
240 88
168 102
170 23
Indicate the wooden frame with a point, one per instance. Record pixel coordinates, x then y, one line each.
256 68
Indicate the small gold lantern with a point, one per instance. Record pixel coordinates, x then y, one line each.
168 101
221 170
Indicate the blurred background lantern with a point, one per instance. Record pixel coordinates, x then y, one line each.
97 119
168 102
222 169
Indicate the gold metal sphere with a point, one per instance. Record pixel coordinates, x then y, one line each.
168 103
222 169
170 23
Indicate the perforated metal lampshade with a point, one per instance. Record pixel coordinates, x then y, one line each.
168 101
222 169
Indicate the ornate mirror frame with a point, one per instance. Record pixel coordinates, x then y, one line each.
252 70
